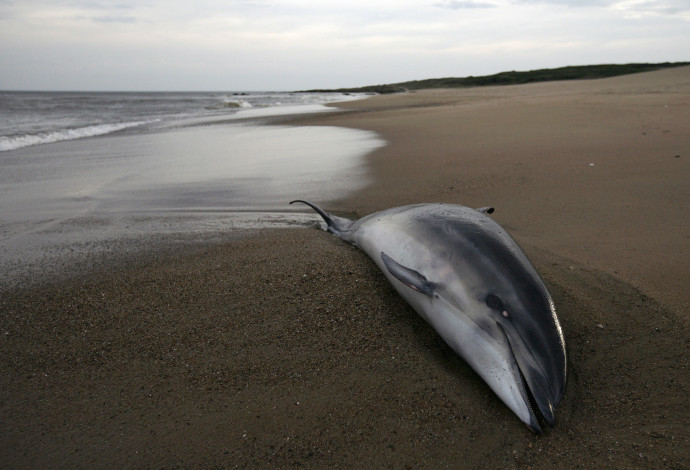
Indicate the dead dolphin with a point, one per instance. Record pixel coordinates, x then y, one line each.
469 279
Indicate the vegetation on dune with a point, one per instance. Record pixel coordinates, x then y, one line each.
578 72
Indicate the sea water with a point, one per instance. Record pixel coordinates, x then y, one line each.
84 171
32 118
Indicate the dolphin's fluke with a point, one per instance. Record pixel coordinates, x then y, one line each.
336 225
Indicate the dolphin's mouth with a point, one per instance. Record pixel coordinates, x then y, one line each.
528 396
531 403
535 379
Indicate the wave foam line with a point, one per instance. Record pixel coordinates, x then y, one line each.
27 140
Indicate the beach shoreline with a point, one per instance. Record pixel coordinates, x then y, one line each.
286 347
66 201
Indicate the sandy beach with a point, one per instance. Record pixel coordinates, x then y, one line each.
282 348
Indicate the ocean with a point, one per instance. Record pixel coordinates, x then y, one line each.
33 118
82 173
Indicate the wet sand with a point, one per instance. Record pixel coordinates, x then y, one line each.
285 348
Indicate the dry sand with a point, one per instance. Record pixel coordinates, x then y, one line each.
285 348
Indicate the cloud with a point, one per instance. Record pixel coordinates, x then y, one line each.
463 5
639 8
114 19
635 9
572 3
665 6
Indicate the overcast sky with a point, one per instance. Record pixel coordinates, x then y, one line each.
299 44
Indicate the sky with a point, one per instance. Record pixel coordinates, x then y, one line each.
250 45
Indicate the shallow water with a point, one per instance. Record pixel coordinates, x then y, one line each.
196 168
78 196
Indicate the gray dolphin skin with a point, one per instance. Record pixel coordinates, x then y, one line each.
470 281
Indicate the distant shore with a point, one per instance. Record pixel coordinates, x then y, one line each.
286 347
573 72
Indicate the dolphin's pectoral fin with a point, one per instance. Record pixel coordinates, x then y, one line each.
485 210
411 278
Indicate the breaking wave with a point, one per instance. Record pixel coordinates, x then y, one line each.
230 104
13 142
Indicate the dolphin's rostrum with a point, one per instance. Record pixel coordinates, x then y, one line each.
467 277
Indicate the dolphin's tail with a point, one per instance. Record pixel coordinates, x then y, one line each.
338 226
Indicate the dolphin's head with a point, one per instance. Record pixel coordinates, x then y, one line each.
491 288
521 358
524 319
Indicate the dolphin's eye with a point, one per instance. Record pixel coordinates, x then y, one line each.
494 302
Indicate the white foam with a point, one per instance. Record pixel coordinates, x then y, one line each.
20 141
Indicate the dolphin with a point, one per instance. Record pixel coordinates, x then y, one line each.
470 281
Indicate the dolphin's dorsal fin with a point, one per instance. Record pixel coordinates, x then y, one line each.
411 278
485 210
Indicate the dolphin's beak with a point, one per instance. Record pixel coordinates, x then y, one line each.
541 359
522 391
